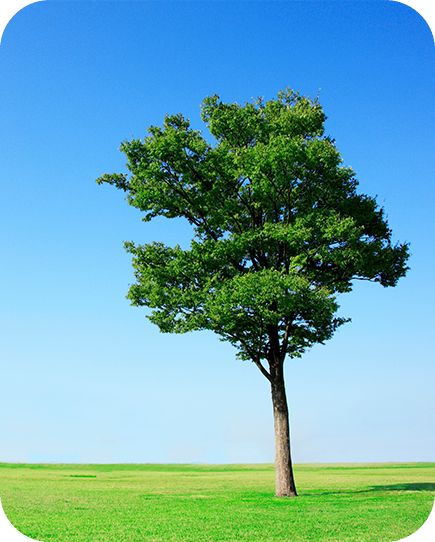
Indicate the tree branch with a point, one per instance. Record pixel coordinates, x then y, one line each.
263 370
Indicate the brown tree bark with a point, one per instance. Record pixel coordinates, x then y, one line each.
285 484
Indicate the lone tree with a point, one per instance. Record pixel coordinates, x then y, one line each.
279 232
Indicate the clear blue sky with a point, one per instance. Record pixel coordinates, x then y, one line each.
84 376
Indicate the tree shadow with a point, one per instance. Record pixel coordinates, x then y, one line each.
415 486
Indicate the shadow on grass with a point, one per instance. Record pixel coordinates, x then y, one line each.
422 486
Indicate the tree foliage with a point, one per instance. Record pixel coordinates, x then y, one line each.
280 229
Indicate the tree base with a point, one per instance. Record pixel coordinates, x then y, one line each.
287 495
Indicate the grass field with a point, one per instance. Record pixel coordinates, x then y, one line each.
181 503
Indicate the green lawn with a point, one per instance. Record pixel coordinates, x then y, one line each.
337 502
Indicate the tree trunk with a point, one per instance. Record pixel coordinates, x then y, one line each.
285 484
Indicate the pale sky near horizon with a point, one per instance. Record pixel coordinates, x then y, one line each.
85 377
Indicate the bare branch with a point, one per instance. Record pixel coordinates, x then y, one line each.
263 370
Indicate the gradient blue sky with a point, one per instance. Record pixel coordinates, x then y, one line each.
84 376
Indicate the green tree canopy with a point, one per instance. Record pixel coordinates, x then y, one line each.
279 228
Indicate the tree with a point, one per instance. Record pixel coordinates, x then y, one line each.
279 232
